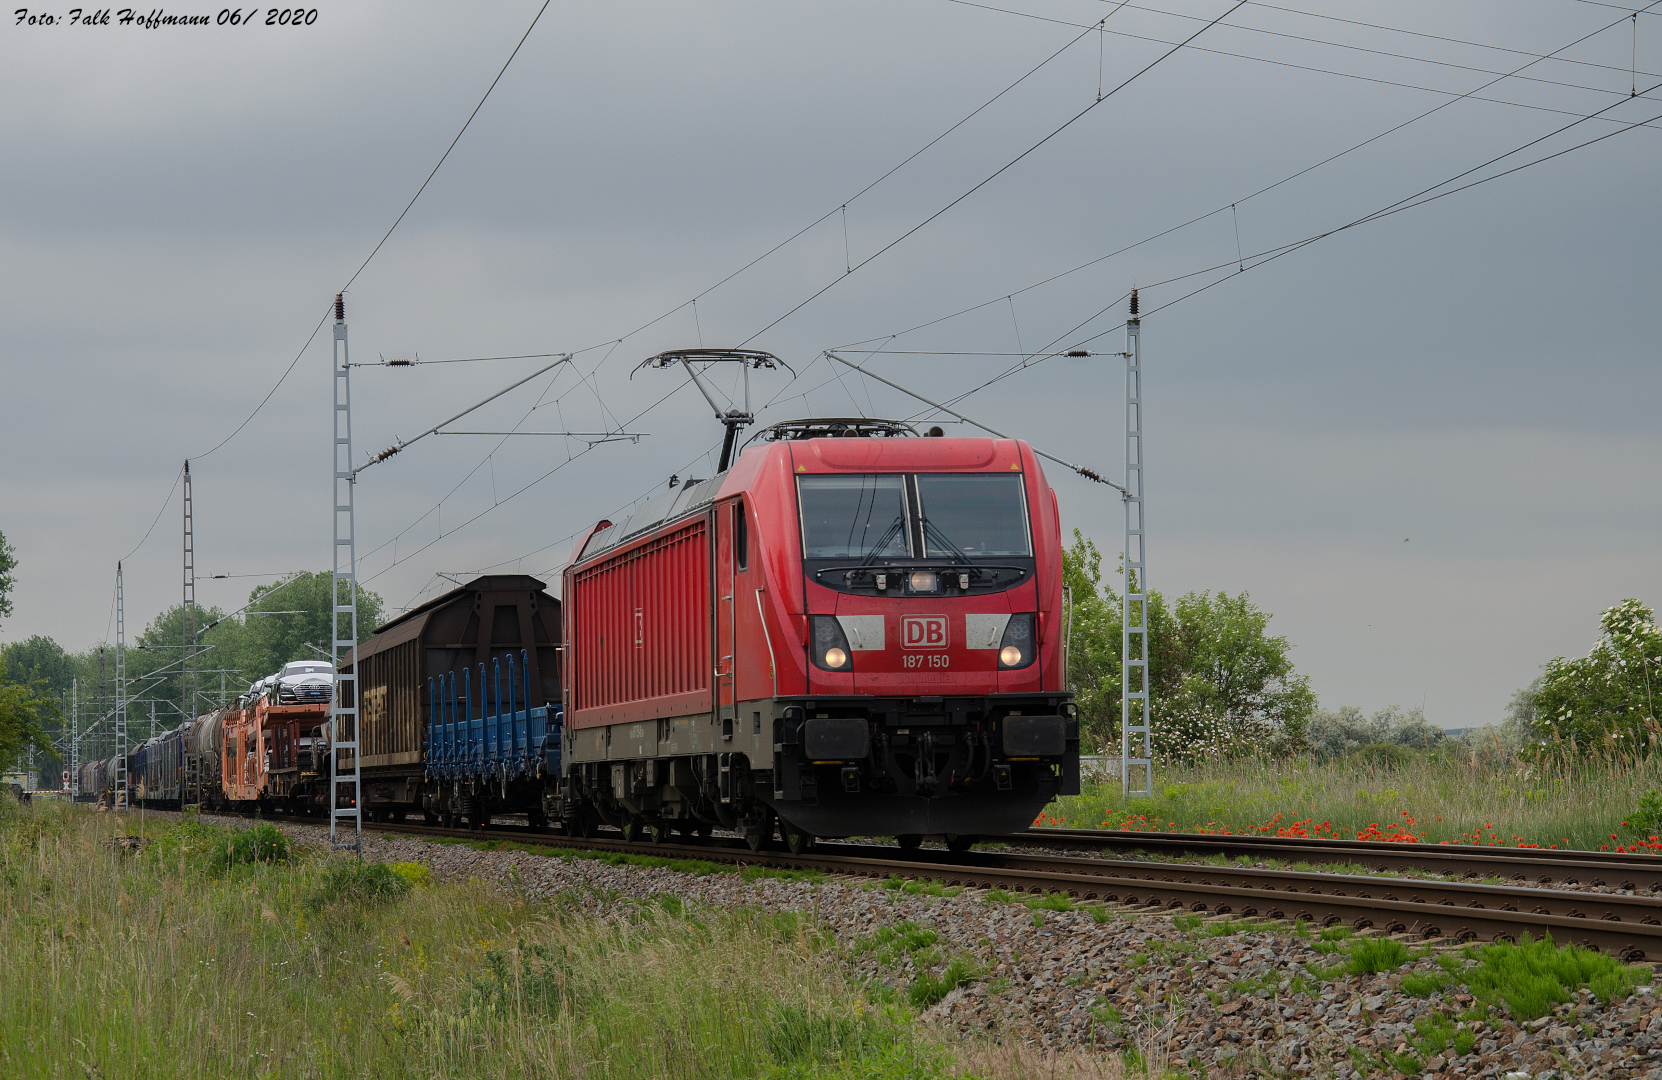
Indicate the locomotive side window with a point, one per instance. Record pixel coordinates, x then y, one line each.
973 514
741 537
854 516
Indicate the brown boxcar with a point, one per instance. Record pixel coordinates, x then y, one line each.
481 623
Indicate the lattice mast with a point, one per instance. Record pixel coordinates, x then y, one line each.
1136 749
74 738
187 655
103 703
121 800
345 784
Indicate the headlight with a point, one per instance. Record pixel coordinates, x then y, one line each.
1020 644
829 647
925 581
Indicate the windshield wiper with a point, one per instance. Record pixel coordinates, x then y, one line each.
894 528
929 528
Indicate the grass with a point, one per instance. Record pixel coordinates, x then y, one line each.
172 963
1535 975
1452 795
927 887
701 867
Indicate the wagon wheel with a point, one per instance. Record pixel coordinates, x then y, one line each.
797 841
704 829
632 830
909 841
758 833
960 842
658 833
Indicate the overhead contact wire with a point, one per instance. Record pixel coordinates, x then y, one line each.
995 175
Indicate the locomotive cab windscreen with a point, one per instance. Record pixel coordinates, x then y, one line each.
916 533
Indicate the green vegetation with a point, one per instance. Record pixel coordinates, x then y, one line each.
928 887
1534 975
1374 954
1222 684
1603 704
700 867
248 646
1459 794
173 961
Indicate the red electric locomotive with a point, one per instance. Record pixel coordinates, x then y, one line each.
851 631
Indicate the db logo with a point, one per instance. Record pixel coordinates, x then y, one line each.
923 631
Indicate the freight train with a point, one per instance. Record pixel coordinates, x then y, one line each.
853 630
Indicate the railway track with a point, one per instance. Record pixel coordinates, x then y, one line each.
1629 926
1542 865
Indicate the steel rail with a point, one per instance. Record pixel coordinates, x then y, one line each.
1626 926
1602 868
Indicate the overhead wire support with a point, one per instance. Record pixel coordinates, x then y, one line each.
1135 686
1089 474
343 704
400 445
187 672
122 801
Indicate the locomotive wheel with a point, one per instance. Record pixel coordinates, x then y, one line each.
909 842
959 843
797 842
585 825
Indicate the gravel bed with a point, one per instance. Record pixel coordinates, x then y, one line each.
1243 1003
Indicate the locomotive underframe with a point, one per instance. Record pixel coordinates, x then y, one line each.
919 766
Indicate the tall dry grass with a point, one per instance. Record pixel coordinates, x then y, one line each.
115 964
1452 794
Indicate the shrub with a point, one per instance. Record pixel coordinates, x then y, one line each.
1375 954
1380 755
264 843
359 883
1647 820
797 1034
1534 975
927 989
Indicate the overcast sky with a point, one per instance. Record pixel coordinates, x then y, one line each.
1427 444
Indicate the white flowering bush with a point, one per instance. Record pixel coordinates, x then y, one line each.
1604 702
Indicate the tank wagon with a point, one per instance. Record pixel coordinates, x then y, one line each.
841 635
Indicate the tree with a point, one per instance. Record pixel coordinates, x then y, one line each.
1220 683
1605 700
38 658
8 575
1238 691
276 639
1095 643
1336 733
24 711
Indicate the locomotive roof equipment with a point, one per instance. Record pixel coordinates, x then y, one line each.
734 419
